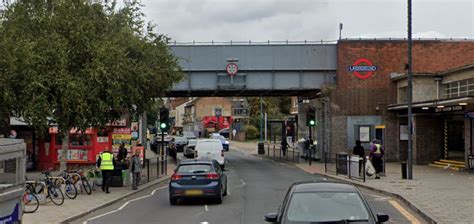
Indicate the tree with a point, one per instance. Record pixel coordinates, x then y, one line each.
80 64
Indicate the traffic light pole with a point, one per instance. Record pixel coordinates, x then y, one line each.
310 156
162 152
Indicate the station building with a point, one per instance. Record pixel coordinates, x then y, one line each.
369 99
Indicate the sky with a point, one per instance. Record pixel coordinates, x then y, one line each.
296 20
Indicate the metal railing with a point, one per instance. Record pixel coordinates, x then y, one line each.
155 168
344 164
276 153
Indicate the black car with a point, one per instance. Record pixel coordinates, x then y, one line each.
324 202
198 179
178 143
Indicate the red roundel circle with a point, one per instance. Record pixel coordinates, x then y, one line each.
232 69
361 65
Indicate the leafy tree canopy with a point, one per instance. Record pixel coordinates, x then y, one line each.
80 64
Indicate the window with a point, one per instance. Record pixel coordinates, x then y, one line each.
402 95
194 168
458 88
8 172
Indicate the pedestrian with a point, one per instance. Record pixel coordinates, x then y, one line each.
106 165
307 146
359 151
122 153
136 169
284 146
376 155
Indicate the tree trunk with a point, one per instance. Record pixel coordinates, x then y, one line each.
64 148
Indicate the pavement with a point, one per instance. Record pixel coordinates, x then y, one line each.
85 204
438 195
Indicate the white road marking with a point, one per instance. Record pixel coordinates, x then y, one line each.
379 198
242 181
228 192
204 222
206 208
125 204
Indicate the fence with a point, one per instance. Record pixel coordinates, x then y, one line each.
155 168
343 164
276 152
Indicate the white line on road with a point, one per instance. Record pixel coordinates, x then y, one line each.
125 204
206 208
204 222
242 181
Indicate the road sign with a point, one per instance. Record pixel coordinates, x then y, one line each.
218 112
232 69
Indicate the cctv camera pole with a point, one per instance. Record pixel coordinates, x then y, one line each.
409 89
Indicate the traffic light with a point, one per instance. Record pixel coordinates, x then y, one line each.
311 118
164 119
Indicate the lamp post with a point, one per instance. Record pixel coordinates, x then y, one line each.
409 89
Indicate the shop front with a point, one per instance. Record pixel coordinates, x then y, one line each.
83 147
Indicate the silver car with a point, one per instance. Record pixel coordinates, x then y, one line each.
189 148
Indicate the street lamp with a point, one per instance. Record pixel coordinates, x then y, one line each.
409 89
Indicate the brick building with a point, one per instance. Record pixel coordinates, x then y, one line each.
367 101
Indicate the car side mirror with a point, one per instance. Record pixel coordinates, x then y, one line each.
271 217
382 217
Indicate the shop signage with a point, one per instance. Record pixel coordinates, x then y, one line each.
469 115
363 68
232 69
54 130
118 123
449 109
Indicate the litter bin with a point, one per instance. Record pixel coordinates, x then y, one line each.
261 148
116 178
404 170
341 165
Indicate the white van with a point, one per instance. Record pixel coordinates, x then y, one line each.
209 149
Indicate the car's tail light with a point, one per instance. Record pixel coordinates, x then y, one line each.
212 176
176 177
222 153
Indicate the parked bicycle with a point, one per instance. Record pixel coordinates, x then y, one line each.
30 201
69 187
79 178
47 189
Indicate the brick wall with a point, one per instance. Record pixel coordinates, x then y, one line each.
205 106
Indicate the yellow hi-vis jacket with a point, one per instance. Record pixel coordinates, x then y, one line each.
106 162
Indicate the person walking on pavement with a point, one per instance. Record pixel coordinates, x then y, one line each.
106 165
376 155
307 147
359 151
136 169
284 146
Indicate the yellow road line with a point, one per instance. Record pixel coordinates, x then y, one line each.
404 212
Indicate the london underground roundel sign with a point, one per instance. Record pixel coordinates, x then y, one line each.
232 69
363 68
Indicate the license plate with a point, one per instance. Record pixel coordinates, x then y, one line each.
193 192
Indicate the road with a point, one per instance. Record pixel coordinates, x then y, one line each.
256 187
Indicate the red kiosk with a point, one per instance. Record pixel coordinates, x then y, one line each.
83 147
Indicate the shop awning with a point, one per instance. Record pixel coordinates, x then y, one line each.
434 103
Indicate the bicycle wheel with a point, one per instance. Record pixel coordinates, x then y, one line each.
55 195
70 190
30 202
86 186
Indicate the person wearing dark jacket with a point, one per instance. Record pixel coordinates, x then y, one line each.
284 146
106 165
122 153
359 151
